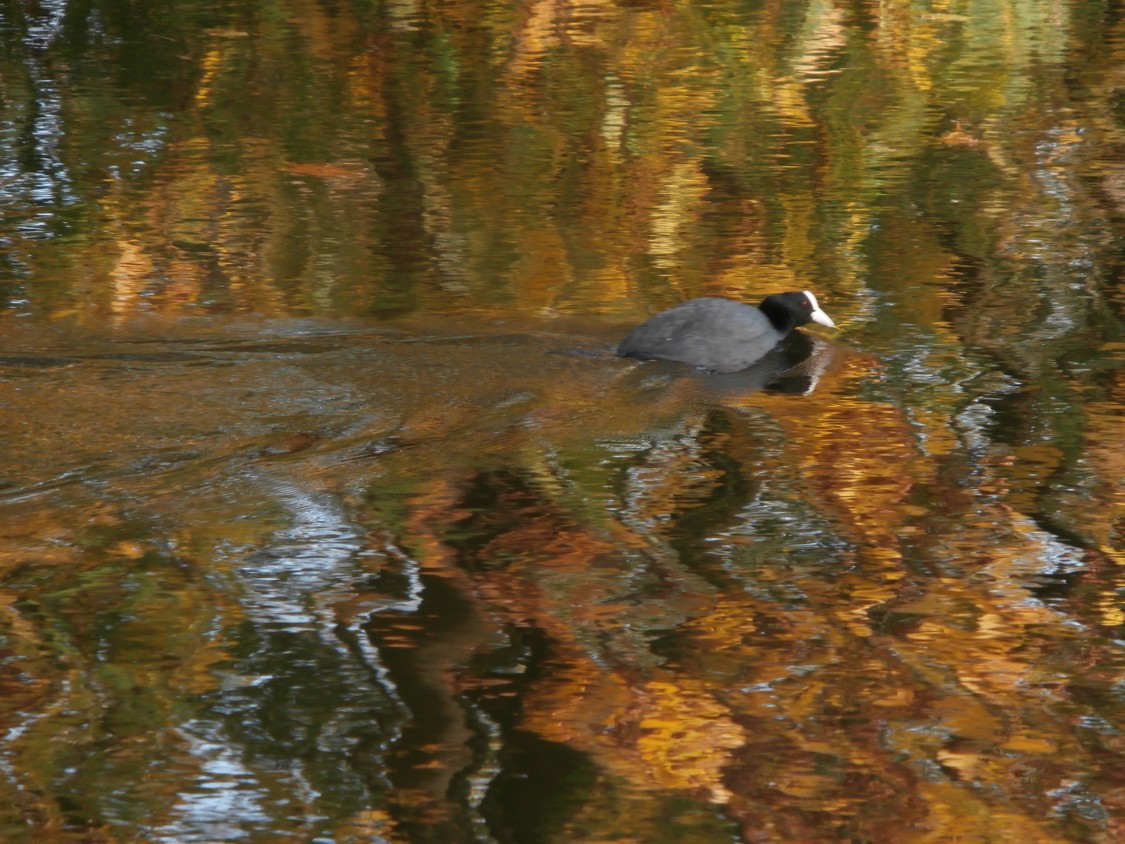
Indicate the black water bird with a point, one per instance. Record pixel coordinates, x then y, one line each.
722 335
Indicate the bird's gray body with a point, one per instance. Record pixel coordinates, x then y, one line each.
719 335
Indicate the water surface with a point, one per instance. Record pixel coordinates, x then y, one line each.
327 513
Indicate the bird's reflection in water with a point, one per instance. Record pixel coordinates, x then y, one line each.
793 367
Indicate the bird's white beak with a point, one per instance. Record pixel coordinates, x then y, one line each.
817 314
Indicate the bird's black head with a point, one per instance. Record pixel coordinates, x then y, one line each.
786 311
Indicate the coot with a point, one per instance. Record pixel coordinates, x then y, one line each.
722 335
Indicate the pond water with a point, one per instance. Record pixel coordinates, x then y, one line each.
328 514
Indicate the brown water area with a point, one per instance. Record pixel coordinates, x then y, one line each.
328 514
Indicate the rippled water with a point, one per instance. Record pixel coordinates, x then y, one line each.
328 514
